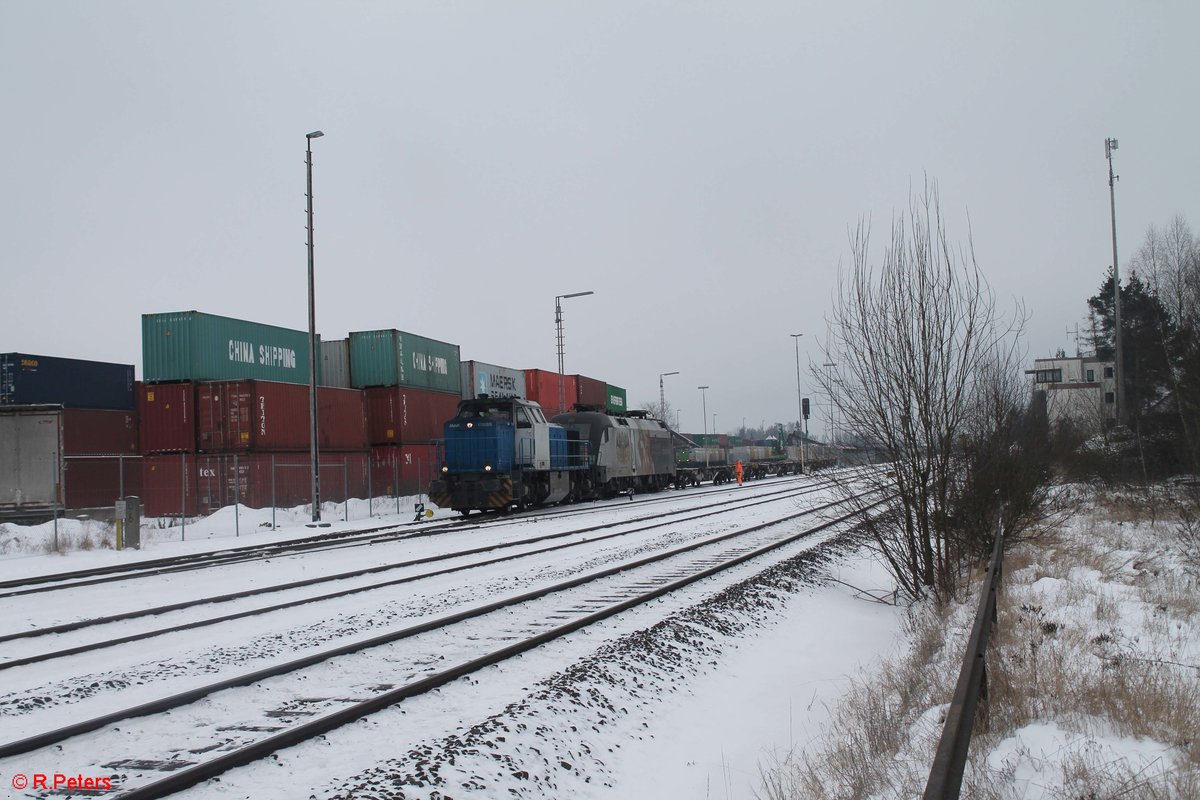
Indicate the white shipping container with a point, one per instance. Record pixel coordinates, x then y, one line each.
479 378
334 368
30 448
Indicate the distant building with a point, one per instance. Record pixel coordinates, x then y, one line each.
1081 389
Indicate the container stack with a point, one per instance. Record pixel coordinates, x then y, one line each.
412 386
615 399
225 417
542 387
68 434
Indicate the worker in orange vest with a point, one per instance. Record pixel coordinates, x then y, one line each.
739 472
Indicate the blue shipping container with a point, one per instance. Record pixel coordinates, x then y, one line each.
30 380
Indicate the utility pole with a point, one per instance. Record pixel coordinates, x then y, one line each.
662 395
313 455
799 401
1119 365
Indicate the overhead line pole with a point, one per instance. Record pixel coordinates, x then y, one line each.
1119 366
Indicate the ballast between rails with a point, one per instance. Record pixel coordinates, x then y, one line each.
140 636
190 776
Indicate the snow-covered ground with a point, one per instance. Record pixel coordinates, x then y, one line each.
536 684
693 696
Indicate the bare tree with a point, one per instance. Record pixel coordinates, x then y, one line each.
662 411
920 350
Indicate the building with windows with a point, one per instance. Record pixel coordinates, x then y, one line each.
1081 389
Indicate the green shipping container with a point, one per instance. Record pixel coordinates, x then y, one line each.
396 358
616 399
191 346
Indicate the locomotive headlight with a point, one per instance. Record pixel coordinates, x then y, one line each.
470 424
487 467
445 469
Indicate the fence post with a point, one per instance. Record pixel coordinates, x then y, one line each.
183 496
346 487
57 488
370 488
237 530
273 503
395 481
121 476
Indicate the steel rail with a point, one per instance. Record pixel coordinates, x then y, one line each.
53 737
66 627
233 555
191 776
84 648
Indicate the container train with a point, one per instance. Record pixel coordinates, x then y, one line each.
501 453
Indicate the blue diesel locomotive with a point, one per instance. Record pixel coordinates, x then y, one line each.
503 452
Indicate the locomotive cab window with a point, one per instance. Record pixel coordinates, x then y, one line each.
523 419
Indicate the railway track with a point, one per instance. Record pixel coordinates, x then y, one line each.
18 587
479 641
509 551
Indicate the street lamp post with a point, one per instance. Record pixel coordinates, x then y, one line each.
704 414
562 389
312 344
799 400
662 395
1118 366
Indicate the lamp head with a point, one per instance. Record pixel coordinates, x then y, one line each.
314 135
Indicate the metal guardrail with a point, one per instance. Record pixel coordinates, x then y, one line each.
945 777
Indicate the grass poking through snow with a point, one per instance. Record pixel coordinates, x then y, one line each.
1093 675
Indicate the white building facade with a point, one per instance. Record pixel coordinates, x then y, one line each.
1081 389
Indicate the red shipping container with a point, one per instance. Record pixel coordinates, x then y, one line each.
590 392
408 469
167 417
341 420
97 432
542 387
253 480
266 416
95 482
399 415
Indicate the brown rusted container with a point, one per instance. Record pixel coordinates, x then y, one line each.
399 415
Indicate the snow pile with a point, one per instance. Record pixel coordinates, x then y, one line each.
72 534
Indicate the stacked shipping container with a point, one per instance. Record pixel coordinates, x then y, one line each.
68 430
590 392
224 399
543 387
479 378
397 358
70 382
267 416
412 385
231 398
191 346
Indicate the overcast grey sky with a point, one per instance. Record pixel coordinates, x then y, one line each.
695 164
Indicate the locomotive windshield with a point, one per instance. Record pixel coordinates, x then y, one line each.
498 410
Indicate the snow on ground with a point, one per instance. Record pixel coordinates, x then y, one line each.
770 693
698 703
75 543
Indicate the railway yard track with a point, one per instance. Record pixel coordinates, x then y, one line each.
166 696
